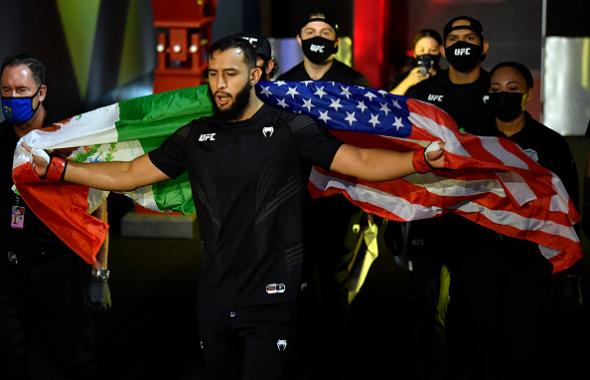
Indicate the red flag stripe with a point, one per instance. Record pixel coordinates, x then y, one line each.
62 206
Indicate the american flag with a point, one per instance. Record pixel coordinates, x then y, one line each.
492 182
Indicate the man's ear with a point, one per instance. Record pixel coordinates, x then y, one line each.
485 47
442 50
298 37
255 75
42 92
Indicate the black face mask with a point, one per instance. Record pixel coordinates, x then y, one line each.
463 56
429 61
318 49
507 106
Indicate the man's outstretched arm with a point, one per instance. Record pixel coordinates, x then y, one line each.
382 164
112 176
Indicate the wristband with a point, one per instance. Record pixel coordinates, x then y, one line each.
420 162
56 169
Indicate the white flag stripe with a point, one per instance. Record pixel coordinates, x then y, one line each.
559 201
507 218
93 127
517 187
404 209
127 151
547 252
450 187
492 145
452 144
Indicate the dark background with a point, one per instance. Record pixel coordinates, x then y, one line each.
150 332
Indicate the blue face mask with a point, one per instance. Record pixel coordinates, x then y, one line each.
19 110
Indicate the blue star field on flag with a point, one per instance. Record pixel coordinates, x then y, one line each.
343 107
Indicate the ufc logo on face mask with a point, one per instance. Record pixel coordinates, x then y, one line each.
207 137
463 51
316 48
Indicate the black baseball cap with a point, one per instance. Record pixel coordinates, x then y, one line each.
259 43
474 26
319 16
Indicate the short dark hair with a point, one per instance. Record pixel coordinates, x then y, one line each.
36 67
426 33
522 69
474 25
234 42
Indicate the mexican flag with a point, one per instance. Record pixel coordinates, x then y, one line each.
119 132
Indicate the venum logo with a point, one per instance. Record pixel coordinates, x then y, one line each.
435 98
463 51
282 344
317 48
275 288
207 137
268 131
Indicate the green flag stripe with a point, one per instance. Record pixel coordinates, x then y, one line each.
150 120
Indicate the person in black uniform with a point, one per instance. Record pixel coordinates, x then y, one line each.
325 306
45 288
318 38
461 91
509 288
248 166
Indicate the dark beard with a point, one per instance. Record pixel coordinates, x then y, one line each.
237 109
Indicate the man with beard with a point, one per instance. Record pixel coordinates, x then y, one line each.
318 38
248 165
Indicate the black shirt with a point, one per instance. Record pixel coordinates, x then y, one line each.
338 72
465 103
35 237
249 181
549 149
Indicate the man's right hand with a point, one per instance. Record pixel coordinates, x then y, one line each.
40 163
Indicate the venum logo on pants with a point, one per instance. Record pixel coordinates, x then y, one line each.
282 344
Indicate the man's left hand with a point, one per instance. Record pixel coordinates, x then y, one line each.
435 154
